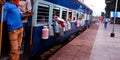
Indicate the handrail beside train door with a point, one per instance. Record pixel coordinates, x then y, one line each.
31 25
1 28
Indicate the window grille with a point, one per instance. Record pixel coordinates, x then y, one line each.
43 14
64 14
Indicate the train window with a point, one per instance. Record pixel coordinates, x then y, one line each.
43 14
56 11
81 15
74 16
64 14
69 16
77 15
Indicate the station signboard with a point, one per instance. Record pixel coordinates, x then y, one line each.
115 14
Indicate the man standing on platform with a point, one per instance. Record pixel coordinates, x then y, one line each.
12 18
106 20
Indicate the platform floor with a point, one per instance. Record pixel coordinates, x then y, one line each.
93 44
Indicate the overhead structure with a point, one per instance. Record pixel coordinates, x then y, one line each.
73 4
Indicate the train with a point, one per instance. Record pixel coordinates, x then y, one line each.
42 30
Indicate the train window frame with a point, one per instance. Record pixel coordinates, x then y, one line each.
56 8
81 15
70 15
64 10
77 15
43 15
74 15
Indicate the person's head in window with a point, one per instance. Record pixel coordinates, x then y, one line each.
80 18
73 18
55 18
54 13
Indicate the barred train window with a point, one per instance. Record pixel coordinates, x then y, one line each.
64 14
56 11
43 14
74 15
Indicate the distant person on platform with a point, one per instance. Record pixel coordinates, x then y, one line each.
106 20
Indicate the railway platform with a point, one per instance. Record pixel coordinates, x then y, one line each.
93 44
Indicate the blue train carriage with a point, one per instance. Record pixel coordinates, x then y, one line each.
74 15
44 16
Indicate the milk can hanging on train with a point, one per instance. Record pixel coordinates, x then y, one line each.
45 32
77 23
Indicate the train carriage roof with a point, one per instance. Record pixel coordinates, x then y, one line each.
73 4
